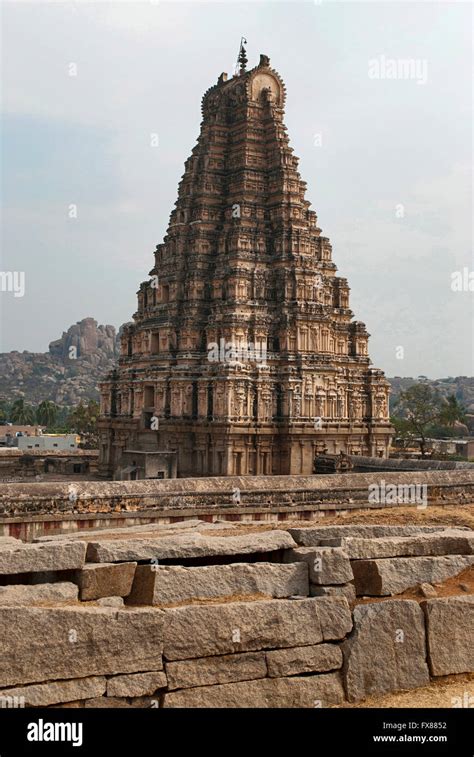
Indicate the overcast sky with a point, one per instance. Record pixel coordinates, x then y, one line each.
387 161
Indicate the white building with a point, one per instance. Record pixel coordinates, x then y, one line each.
49 442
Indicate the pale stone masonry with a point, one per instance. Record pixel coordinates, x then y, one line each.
172 584
264 618
387 650
243 357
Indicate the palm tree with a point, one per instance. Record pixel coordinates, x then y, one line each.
4 410
47 413
22 414
83 420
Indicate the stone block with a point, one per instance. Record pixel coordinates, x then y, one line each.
42 643
448 542
110 602
27 594
393 575
250 626
29 558
327 565
386 651
343 590
105 580
207 671
321 535
315 659
187 546
136 684
54 692
308 691
174 584
450 635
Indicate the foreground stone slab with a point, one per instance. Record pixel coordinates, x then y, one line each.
308 691
315 659
187 546
97 580
450 624
40 643
320 535
208 671
170 584
327 565
26 594
28 558
136 684
386 651
392 575
250 626
448 542
54 692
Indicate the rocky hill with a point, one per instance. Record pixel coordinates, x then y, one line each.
461 386
68 373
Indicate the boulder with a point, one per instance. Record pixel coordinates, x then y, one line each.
43 643
250 626
307 691
449 628
97 580
208 671
392 575
29 558
53 692
26 594
174 584
386 651
315 659
327 565
186 546
136 684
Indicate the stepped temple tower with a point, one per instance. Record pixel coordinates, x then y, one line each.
242 358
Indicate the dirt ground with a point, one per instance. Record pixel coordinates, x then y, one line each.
447 692
433 515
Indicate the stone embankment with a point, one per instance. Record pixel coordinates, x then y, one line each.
201 615
28 510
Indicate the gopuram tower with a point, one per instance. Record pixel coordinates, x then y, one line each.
242 358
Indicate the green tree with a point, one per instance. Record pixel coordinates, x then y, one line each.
4 411
403 430
452 412
417 410
83 420
47 413
22 414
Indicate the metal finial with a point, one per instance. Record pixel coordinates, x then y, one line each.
242 59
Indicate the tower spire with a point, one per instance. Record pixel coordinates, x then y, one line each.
242 59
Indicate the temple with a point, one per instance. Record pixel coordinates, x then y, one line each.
243 357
